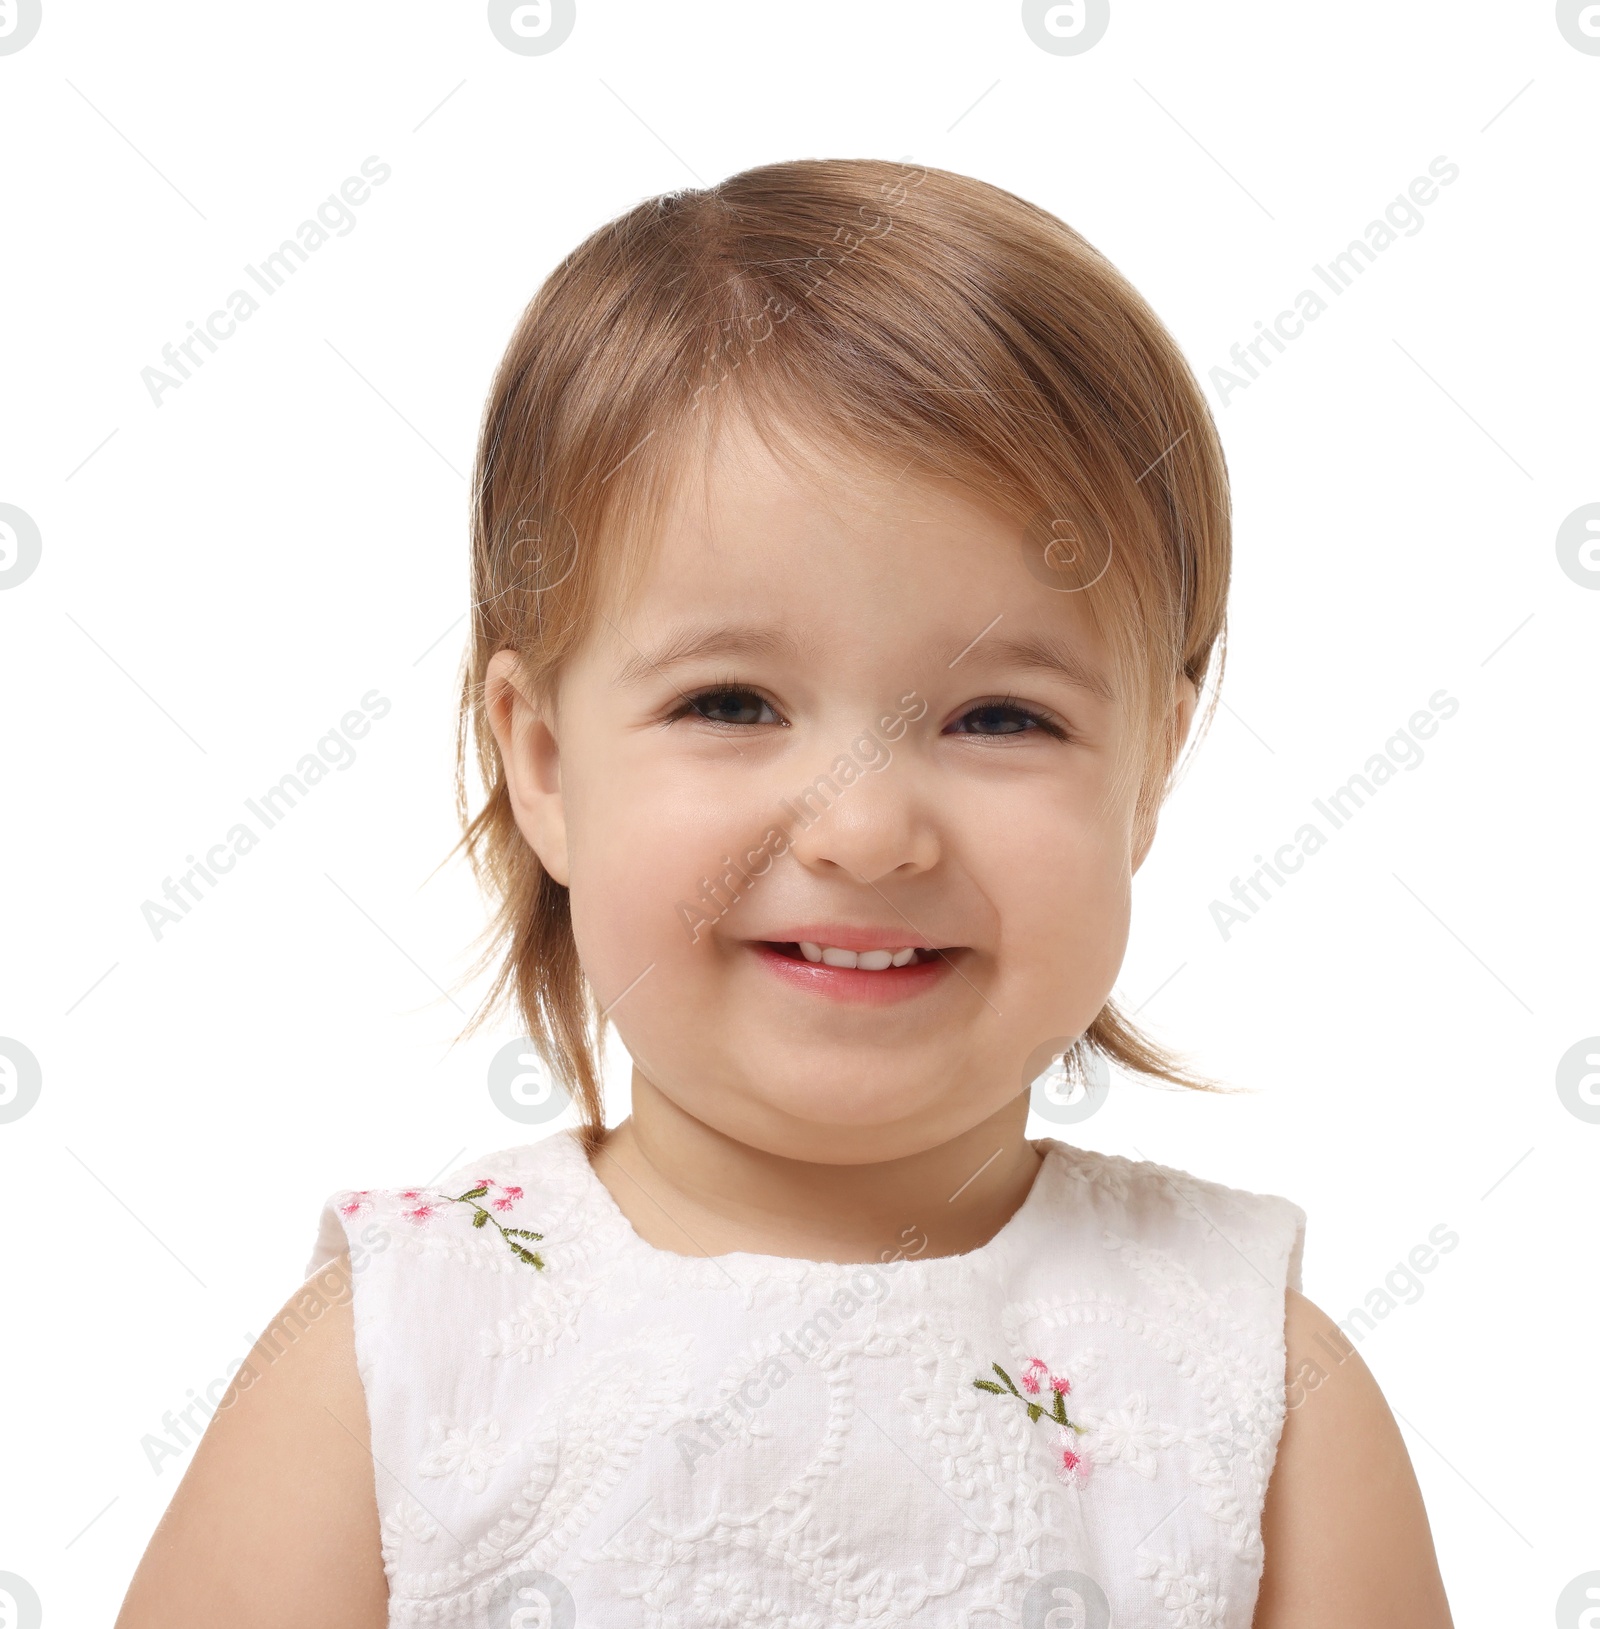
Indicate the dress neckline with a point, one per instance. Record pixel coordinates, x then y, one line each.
603 1217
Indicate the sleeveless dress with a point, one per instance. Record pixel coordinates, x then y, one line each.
1071 1426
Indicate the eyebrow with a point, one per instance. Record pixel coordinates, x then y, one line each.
696 644
1028 651
1041 652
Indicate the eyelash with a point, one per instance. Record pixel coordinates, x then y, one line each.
1010 704
689 709
1039 721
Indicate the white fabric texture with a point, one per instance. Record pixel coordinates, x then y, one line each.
603 1434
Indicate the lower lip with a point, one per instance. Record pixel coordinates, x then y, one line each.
852 984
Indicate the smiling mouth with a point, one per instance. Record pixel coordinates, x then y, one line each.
866 961
883 975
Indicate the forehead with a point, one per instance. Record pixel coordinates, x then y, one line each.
842 553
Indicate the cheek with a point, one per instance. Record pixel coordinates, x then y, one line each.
1063 888
640 860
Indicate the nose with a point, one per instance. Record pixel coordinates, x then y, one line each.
873 828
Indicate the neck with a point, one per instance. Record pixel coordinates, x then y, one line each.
690 1189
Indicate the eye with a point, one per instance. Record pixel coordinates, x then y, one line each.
729 705
995 718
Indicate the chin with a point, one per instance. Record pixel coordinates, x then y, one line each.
854 1122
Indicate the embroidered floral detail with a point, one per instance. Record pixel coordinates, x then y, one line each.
1037 1381
1189 1593
1071 1466
356 1203
1132 1435
1036 1377
728 1600
548 1317
469 1454
408 1518
480 1216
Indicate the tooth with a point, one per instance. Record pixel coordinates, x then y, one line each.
811 952
838 958
903 958
874 960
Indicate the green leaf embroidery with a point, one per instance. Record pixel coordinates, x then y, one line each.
1055 1411
480 1216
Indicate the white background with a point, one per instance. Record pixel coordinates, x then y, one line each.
231 571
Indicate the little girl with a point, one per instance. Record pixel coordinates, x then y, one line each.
851 545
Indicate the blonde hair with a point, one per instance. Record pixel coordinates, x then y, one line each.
903 316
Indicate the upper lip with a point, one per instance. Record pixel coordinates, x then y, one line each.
841 937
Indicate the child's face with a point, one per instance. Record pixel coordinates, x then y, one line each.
846 694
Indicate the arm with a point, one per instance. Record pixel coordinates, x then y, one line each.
1344 1528
276 1519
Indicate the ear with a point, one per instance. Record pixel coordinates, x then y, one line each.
531 756
1185 700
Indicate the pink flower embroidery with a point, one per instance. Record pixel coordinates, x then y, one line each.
1071 1466
480 1216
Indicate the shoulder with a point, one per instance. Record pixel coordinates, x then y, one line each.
1144 1179
1167 1209
1344 1528
519 1189
280 1501
276 1515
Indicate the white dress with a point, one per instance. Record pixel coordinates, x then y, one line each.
1071 1426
